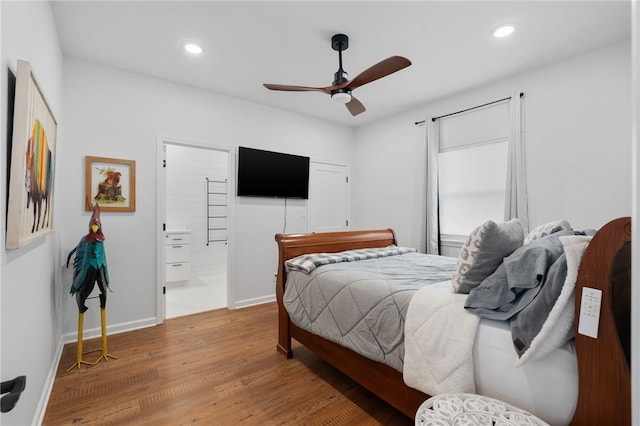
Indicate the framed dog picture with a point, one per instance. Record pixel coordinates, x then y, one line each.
110 183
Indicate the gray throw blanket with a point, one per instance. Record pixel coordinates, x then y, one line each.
517 280
526 325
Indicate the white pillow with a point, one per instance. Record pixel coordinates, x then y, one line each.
547 229
483 251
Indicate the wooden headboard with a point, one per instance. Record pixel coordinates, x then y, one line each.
604 395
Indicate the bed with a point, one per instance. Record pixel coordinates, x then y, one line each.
600 365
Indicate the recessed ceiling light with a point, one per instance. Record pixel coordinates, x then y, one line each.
193 48
503 31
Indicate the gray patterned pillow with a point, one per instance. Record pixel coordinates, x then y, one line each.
547 229
483 251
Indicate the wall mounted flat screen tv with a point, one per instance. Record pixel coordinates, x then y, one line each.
272 174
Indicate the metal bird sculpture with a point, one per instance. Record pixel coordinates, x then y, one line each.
89 267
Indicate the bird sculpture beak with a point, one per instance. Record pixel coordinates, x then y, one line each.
95 227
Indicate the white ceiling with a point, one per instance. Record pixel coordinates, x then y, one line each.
450 44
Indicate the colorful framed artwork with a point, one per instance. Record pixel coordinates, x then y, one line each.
32 169
111 183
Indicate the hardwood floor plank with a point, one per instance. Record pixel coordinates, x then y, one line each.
216 368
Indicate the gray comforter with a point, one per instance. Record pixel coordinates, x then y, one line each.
362 304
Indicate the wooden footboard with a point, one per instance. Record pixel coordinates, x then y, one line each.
605 390
290 246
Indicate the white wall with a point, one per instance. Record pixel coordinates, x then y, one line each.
30 292
117 114
578 147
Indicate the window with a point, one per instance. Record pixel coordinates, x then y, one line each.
472 186
472 168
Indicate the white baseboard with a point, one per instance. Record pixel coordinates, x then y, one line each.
41 409
111 329
252 302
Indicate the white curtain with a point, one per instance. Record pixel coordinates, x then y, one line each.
516 205
433 224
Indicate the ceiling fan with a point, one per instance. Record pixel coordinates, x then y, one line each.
341 88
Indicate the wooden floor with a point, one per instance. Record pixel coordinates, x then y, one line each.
216 368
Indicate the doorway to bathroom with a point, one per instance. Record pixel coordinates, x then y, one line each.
195 242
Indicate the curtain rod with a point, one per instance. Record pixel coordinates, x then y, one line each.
468 109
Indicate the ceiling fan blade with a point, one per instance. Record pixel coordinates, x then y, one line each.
354 106
289 88
379 70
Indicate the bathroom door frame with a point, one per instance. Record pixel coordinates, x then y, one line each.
161 208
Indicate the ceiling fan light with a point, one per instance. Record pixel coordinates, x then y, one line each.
341 97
